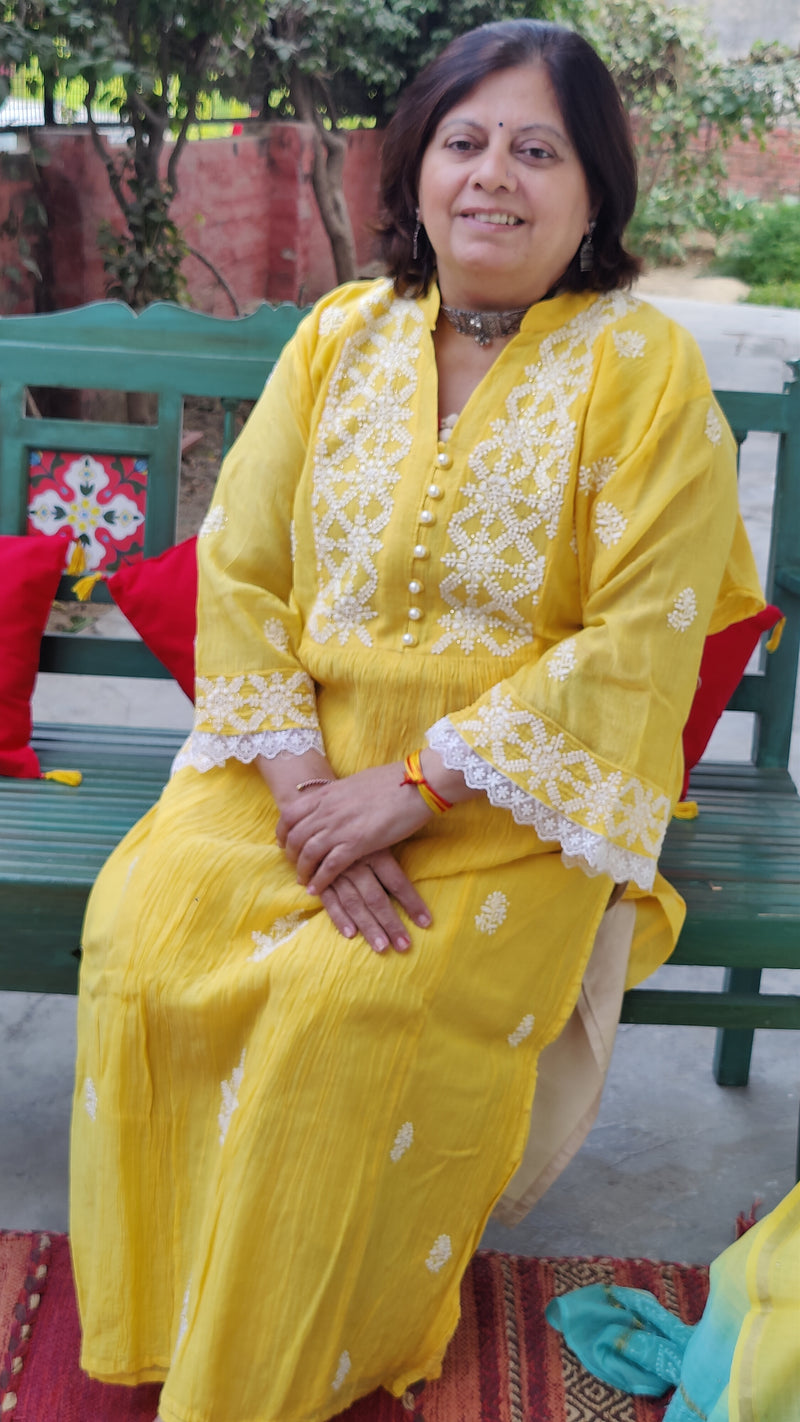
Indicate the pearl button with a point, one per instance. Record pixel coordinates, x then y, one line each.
420 551
409 640
443 459
427 517
434 492
415 586
415 613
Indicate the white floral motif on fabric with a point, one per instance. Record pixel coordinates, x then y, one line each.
512 506
276 634
629 344
713 426
684 611
332 320
593 477
440 1253
402 1141
253 702
363 436
562 660
493 911
204 751
282 930
610 820
609 524
230 1097
214 521
522 1031
90 1098
183 1323
341 1371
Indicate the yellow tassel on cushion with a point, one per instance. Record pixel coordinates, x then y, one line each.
82 590
777 632
77 560
686 810
63 777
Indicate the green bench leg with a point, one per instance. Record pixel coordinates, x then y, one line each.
734 1045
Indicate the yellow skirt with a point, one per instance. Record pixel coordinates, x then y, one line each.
285 1146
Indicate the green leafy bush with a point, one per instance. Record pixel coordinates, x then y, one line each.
776 293
769 253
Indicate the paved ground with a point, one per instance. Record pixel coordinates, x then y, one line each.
673 1158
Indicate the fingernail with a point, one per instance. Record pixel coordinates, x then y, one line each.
349 931
380 943
310 889
424 920
402 943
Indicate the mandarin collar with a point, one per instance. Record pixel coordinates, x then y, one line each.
545 315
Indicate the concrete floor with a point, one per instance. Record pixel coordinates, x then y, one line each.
673 1158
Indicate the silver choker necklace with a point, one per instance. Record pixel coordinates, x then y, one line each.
485 326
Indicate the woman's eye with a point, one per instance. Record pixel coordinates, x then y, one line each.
461 145
534 151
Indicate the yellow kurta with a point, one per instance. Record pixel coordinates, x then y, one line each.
286 1146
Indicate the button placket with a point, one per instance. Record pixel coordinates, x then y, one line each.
426 518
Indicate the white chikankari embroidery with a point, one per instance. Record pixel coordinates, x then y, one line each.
594 851
440 1253
492 913
609 524
684 610
713 426
90 1098
341 1371
230 1097
275 632
549 764
183 1324
282 930
214 521
363 436
524 1030
593 477
332 320
629 343
402 1141
511 507
250 703
561 661
573 543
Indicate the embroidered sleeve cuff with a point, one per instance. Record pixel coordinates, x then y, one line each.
555 771
204 751
253 702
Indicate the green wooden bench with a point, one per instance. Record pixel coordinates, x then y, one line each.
737 865
53 839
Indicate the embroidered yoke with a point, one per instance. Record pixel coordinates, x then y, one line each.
285 1147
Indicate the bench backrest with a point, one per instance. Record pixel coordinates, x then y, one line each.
166 350
770 693
174 352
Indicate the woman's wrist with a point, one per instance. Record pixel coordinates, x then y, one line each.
286 773
449 784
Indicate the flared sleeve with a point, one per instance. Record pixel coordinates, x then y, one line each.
584 742
253 697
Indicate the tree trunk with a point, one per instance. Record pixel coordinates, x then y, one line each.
327 174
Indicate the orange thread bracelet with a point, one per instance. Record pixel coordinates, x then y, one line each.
416 776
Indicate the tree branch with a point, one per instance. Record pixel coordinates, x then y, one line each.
114 177
217 274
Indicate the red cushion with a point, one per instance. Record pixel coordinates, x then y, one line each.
725 657
31 569
159 597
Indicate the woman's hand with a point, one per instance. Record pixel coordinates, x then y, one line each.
360 901
327 829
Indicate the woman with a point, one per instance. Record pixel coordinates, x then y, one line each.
486 511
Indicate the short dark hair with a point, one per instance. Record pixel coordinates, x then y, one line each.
593 115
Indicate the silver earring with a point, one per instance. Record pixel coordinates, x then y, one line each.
586 253
415 243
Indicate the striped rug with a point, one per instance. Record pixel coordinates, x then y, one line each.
504 1364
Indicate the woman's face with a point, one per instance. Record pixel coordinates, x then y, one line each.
502 195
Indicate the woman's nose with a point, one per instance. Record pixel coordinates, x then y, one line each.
494 170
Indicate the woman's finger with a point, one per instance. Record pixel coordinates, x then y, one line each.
338 915
388 872
367 903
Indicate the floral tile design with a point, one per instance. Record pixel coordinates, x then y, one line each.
97 500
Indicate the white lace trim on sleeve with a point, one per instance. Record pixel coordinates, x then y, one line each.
581 848
204 750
